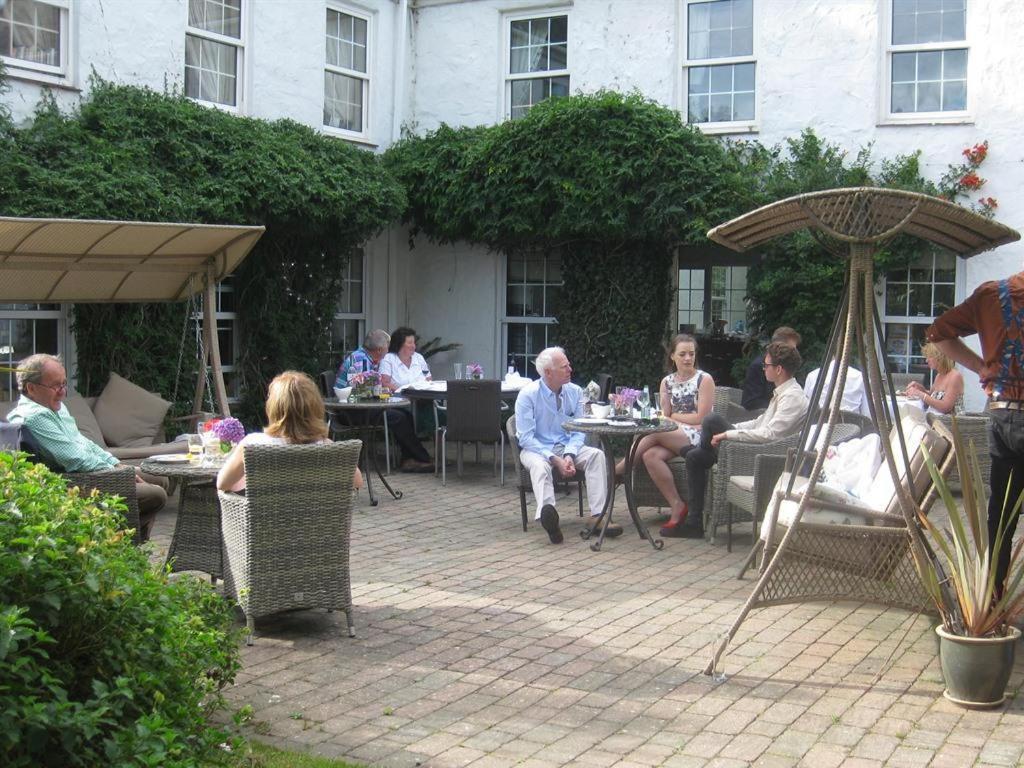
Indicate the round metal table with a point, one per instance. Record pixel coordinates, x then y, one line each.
196 543
606 429
368 434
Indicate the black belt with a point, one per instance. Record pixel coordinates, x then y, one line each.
1008 405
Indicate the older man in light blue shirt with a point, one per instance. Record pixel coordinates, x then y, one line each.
545 445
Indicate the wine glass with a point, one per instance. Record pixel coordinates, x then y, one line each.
643 400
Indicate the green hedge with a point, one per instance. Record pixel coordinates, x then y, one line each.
610 182
103 660
134 154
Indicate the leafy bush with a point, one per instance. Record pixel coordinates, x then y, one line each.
103 661
131 153
610 182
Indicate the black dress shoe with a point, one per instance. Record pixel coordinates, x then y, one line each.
549 522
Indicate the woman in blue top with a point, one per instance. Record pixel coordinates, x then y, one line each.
687 395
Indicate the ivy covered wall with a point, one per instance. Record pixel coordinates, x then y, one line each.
130 153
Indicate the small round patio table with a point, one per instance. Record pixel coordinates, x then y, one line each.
368 434
196 543
605 429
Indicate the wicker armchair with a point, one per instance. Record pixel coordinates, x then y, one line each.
736 458
974 430
646 493
747 496
286 542
116 481
523 482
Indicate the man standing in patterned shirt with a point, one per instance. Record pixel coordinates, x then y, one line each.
995 311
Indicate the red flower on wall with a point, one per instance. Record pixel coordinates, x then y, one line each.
971 180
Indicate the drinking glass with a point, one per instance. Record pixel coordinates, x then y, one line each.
195 448
643 399
458 370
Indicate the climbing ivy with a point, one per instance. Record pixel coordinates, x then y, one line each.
610 182
135 154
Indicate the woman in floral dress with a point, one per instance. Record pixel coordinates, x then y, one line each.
687 395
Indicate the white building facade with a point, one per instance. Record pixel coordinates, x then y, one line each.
903 75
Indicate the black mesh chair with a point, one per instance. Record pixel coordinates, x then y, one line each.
327 380
605 382
523 481
473 415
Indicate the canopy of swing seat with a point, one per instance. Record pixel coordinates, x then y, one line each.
56 260
867 215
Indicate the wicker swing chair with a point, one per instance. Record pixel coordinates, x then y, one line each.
871 562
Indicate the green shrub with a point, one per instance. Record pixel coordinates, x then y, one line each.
103 660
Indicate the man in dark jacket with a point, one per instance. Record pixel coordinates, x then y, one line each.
757 390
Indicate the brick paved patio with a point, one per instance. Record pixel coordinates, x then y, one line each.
482 645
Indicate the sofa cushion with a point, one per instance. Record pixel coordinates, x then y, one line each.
128 415
145 451
80 411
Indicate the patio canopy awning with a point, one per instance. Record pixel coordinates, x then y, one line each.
54 260
867 215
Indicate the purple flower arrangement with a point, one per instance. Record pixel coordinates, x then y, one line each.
364 385
474 371
229 430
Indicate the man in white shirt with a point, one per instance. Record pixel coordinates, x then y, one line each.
544 444
784 416
854 399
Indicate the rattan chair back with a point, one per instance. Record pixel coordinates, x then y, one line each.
286 541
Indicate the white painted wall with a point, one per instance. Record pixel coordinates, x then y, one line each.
819 64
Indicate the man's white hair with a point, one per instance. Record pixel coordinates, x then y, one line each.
546 358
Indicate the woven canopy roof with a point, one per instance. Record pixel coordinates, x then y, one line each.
867 215
53 260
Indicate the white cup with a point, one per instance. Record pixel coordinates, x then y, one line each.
601 411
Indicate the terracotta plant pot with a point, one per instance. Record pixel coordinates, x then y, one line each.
976 669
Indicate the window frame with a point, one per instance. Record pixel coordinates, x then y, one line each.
359 317
507 320
685 64
367 77
60 315
949 117
888 318
63 75
241 59
507 76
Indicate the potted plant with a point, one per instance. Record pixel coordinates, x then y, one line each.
977 638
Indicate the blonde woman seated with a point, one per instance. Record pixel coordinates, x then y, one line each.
947 387
687 396
295 416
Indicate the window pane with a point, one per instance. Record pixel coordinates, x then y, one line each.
743 77
929 26
520 33
721 108
929 97
742 41
516 338
903 98
515 301
920 301
698 18
559 86
560 29
519 61
929 65
945 267
537 337
559 57
553 295
896 298
954 65
953 26
954 96
699 79
743 106
904 66
944 299
698 109
719 43
902 28
721 79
